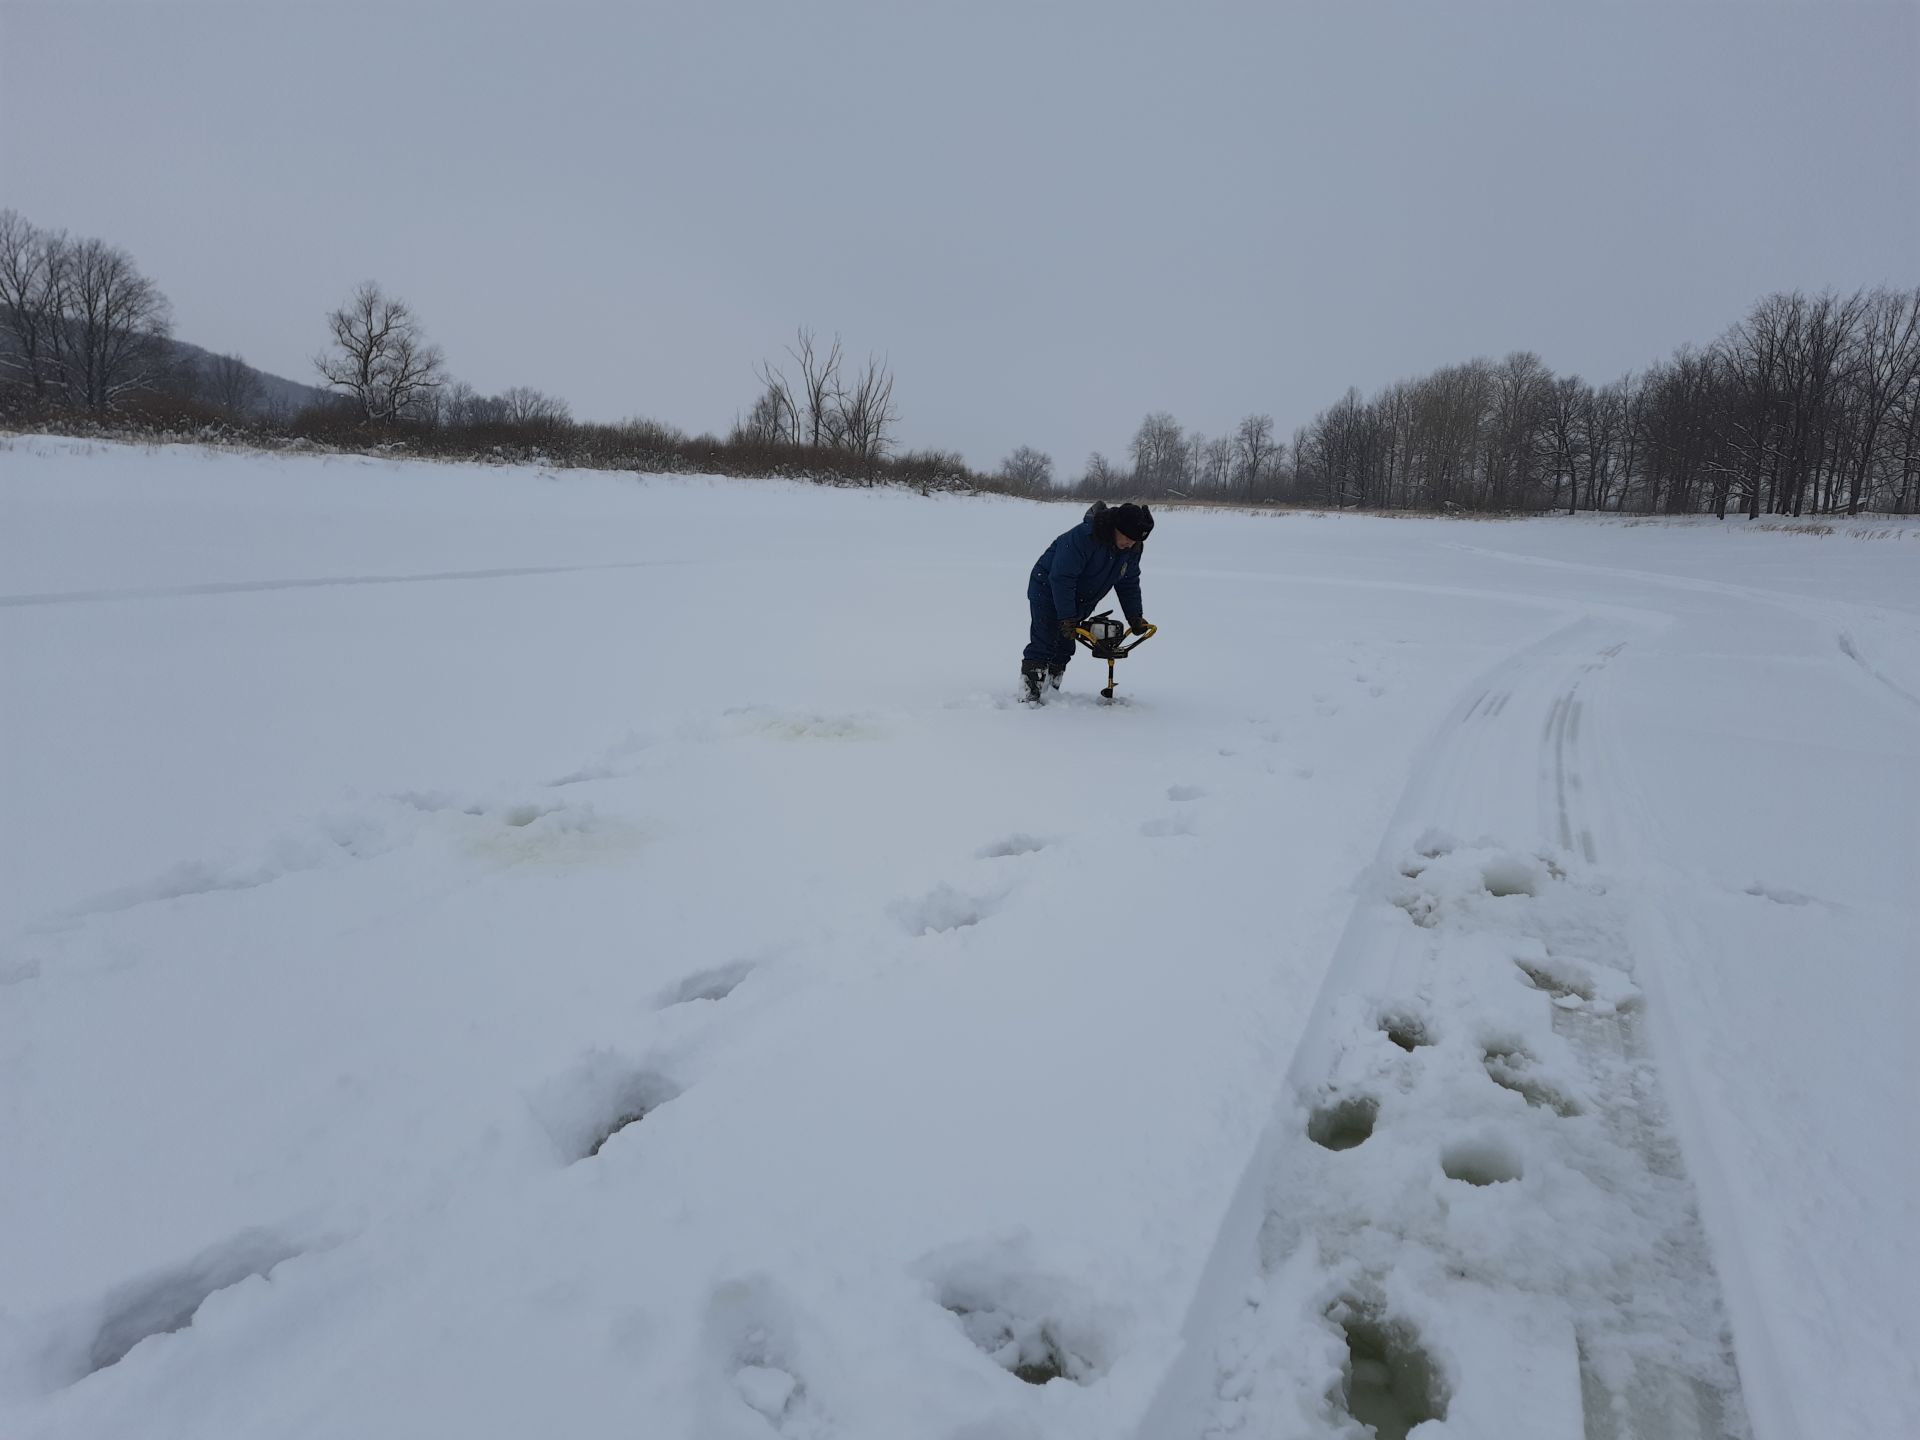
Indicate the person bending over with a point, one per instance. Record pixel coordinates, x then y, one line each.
1101 553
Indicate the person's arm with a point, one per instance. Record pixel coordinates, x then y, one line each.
1127 587
1069 559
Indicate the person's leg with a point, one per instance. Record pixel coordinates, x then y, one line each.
1043 635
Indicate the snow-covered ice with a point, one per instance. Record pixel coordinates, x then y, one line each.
487 951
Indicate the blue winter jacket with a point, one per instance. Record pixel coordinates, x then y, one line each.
1078 569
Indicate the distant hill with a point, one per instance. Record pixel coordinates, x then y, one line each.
267 394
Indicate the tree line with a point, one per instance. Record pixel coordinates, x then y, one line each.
85 336
1809 405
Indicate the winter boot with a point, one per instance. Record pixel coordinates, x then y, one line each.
1033 677
1055 674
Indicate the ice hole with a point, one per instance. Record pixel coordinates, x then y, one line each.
1483 1161
1509 877
1409 1032
1044 1366
1345 1125
1391 1383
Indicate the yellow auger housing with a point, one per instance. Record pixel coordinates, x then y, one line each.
1106 637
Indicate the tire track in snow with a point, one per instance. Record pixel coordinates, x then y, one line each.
1650 1399
241 587
1852 651
1635 1346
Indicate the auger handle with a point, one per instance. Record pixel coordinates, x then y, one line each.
1117 651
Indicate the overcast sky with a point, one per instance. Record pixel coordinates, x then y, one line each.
1050 218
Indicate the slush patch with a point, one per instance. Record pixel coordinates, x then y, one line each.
533 835
762 720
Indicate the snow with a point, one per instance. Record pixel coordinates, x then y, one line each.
486 950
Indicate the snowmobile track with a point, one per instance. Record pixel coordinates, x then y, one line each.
1624 1343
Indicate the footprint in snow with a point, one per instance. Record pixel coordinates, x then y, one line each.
1010 846
1167 826
1038 1328
714 984
596 1099
1780 895
941 909
167 1300
756 1344
1512 1066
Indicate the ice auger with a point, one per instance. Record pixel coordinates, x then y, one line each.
1106 637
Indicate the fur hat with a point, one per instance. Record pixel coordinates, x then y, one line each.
1133 521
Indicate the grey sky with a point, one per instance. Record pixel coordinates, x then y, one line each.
1051 218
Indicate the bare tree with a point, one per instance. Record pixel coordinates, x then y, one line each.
230 383
461 405
1028 470
863 413
1102 477
819 387
1600 432
1255 450
1565 406
1159 454
1887 366
33 301
381 358
773 420
1214 471
1513 451
117 324
523 405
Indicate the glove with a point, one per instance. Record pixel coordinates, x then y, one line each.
1068 628
1139 625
